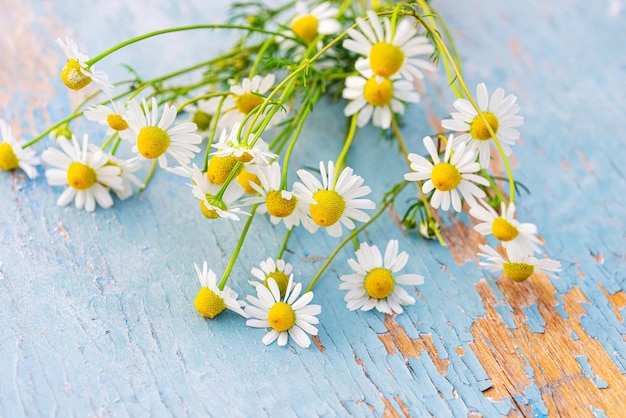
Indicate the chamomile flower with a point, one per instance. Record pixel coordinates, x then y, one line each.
127 168
13 156
374 283
517 269
156 140
499 111
229 144
77 73
291 316
336 202
377 98
309 24
386 52
519 239
211 301
453 175
86 174
207 192
278 270
115 118
282 205
243 99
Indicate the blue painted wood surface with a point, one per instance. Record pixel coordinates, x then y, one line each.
96 309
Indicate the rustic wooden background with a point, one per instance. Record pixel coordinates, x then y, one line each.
96 314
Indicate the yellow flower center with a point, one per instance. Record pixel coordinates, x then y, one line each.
329 208
244 178
386 59
73 77
281 280
208 303
503 230
248 101
379 283
8 159
445 176
479 130
246 157
117 122
278 206
202 120
152 142
214 203
518 272
306 27
81 176
378 93
281 316
220 168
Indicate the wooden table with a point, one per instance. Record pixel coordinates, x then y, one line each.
96 309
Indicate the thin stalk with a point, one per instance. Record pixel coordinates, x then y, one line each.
284 245
150 174
216 117
233 257
346 146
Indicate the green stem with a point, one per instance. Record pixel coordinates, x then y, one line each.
197 99
130 41
346 146
233 257
301 119
150 174
212 134
386 203
284 246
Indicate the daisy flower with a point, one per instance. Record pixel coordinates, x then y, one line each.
242 100
519 239
336 202
291 316
282 205
278 270
127 168
211 301
115 118
207 192
12 155
373 284
517 269
308 25
448 177
154 140
499 111
386 52
377 98
86 174
77 73
229 144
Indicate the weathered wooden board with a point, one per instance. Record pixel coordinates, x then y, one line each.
96 309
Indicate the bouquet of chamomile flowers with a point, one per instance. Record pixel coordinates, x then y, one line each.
231 133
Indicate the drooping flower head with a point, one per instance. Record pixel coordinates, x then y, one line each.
501 114
282 205
155 138
242 151
244 97
278 270
77 74
386 52
517 269
13 156
292 316
337 201
519 239
377 98
453 175
211 205
374 283
210 300
85 174
115 118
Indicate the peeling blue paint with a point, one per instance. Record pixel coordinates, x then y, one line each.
534 320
